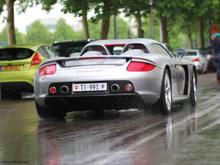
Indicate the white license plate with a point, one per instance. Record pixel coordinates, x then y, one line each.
86 87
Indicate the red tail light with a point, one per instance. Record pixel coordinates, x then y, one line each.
36 59
139 67
52 90
195 59
48 70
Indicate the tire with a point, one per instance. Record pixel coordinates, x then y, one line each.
193 90
206 67
165 102
49 112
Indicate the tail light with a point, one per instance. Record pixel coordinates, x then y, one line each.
195 59
36 59
53 90
48 70
139 67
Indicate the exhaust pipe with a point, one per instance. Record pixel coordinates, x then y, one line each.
115 88
64 89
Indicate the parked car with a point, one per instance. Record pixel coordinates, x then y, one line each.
199 59
18 64
145 73
69 48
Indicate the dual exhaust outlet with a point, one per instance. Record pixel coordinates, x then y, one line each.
64 89
115 88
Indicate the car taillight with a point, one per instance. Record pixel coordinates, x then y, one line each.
195 59
47 70
139 67
36 59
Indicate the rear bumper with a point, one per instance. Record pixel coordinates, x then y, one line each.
94 102
21 81
16 86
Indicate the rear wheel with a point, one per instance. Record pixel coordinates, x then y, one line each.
50 112
165 102
193 90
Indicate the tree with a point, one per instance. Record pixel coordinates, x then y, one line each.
2 3
104 9
165 13
79 8
139 9
37 33
19 36
10 21
64 32
122 30
23 4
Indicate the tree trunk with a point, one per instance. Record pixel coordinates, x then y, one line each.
201 31
106 19
190 43
10 22
85 24
163 30
139 27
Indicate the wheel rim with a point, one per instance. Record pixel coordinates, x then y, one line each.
194 87
168 98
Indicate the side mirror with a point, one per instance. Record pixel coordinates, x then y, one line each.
180 52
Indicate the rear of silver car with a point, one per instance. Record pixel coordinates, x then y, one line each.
198 60
88 83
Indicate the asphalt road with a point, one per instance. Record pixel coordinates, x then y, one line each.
188 136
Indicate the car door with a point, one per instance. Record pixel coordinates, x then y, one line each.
178 74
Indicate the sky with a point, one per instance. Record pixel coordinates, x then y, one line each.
22 20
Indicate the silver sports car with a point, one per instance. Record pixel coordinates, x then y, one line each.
144 73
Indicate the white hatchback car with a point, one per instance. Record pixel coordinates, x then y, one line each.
199 60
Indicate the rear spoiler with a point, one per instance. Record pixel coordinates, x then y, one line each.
62 60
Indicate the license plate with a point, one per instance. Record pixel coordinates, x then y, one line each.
10 68
86 87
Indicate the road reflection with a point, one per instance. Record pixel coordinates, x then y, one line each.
129 137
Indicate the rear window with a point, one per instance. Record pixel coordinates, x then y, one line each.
96 48
115 49
66 49
191 53
136 46
15 53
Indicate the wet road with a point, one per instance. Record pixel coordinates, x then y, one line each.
188 136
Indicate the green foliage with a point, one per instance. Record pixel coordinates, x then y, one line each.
2 3
122 29
19 36
38 33
137 8
182 18
76 6
63 31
